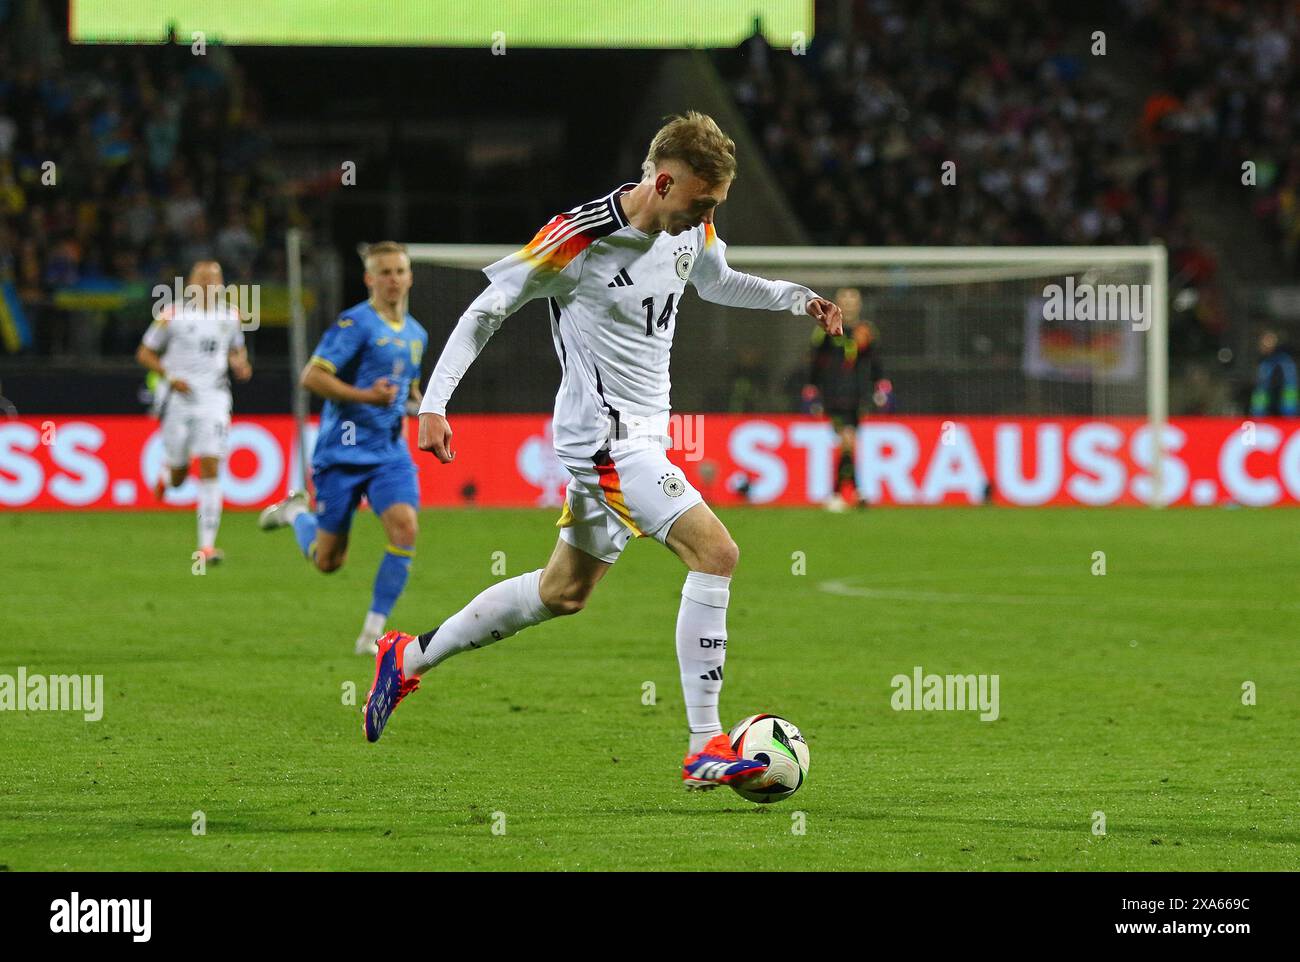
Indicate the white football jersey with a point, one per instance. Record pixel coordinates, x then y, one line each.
613 293
195 344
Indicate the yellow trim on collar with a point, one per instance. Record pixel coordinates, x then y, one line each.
399 327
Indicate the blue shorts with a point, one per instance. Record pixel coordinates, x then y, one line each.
339 488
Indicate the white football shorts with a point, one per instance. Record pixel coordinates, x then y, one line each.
191 430
614 498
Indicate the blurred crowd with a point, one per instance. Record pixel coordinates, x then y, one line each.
948 123
1228 70
936 122
859 128
121 166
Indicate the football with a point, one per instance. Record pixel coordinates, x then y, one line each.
771 739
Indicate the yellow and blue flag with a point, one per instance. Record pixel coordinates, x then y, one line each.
15 334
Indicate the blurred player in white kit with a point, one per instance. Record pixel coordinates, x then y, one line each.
193 346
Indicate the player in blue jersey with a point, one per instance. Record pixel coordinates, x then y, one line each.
366 367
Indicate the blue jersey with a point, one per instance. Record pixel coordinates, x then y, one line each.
359 349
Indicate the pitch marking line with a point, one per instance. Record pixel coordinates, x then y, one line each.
847 589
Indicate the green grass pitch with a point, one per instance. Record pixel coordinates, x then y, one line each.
1119 694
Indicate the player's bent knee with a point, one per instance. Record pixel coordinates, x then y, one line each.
568 600
720 558
726 556
401 525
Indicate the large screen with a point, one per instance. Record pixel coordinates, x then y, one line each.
445 23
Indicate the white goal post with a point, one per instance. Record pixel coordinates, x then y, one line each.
293 243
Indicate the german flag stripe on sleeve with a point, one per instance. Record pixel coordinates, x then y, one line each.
565 236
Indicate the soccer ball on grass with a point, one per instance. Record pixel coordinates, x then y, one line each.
772 740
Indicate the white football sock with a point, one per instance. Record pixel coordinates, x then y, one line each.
702 650
498 612
374 625
209 511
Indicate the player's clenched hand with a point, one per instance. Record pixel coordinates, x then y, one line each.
382 393
435 436
827 314
179 386
241 369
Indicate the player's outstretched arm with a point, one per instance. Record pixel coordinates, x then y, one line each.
149 353
340 345
827 314
717 282
148 358
548 266
481 320
435 436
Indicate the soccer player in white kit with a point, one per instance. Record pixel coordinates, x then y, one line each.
192 346
613 272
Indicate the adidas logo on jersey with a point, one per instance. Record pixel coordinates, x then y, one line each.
621 279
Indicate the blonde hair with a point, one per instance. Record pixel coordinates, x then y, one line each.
697 141
382 247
